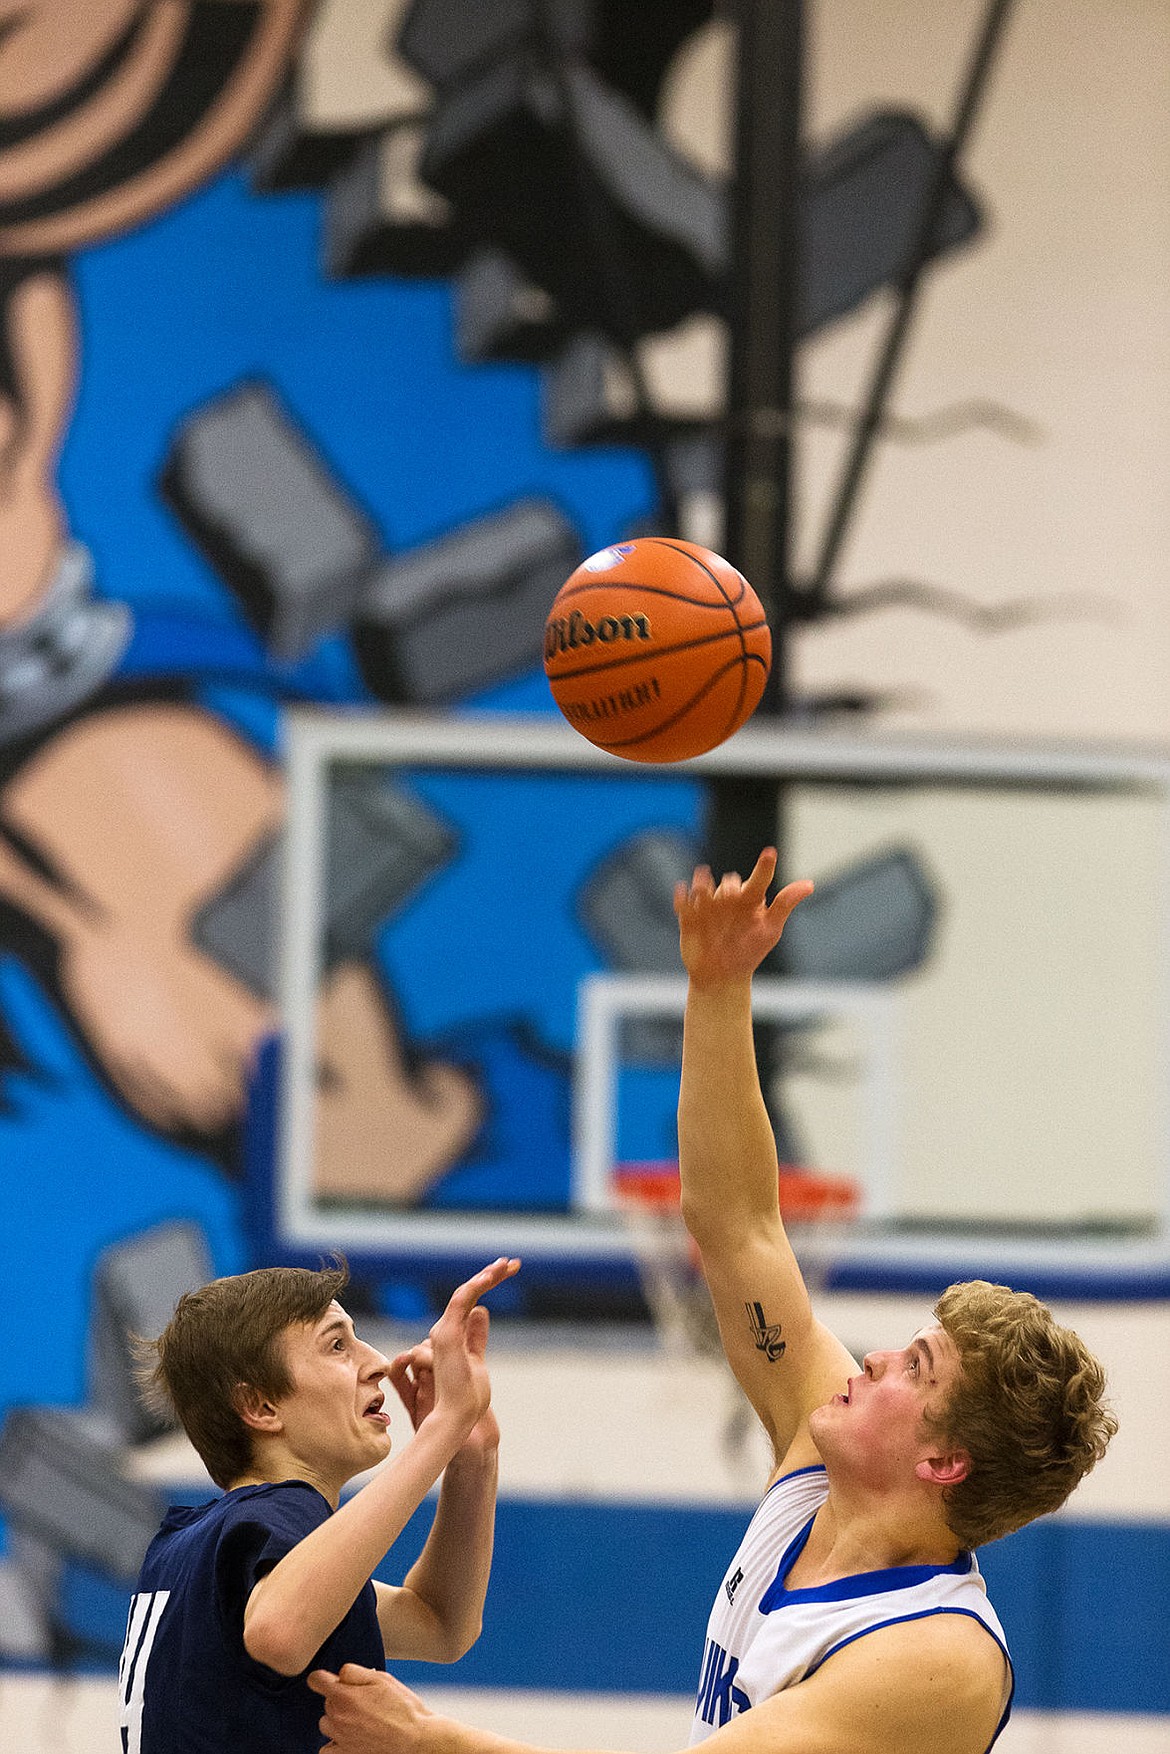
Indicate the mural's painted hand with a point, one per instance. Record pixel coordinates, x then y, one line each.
384 1129
174 1034
136 816
726 930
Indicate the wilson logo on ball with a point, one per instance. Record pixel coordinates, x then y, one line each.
567 633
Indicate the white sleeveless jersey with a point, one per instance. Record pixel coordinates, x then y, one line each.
762 1637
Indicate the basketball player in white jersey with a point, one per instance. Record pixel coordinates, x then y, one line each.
853 1617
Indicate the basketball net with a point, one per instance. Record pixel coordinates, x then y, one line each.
817 1210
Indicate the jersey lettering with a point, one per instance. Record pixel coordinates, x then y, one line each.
718 1696
141 1627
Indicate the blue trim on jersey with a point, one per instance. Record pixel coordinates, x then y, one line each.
844 1589
812 1468
927 1614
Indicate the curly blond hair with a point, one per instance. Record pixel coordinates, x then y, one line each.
1028 1407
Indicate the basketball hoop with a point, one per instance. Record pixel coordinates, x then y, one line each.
816 1209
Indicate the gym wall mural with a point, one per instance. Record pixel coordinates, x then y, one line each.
314 386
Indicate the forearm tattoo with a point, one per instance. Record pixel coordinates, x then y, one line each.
765 1334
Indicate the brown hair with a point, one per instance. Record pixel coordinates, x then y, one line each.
1027 1407
225 1334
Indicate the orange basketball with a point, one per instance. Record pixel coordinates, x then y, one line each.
656 649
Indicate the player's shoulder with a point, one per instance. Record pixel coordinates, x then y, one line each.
276 1505
928 1681
953 1653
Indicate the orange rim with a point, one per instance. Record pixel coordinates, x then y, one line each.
806 1195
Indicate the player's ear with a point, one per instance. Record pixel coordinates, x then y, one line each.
946 1469
255 1408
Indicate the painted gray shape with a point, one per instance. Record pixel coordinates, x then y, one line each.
499 313
360 236
555 191
445 40
466 610
61 1481
61 654
649 182
383 844
577 399
237 927
873 921
860 203
27 1603
281 530
136 1286
627 907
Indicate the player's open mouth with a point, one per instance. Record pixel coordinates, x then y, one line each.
375 1414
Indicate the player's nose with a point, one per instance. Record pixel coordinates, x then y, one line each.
376 1364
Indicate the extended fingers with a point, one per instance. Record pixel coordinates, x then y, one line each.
464 1298
762 874
398 1372
789 897
478 1321
752 890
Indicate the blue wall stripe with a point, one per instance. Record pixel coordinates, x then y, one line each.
614 1598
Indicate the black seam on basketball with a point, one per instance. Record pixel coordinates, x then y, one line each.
652 590
677 547
732 603
625 659
667 724
733 719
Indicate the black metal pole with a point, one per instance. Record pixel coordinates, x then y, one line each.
744 816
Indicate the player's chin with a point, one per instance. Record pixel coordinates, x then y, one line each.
822 1416
376 1440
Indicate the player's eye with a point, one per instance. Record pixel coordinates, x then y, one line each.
914 1362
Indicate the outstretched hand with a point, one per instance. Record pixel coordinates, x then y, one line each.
727 929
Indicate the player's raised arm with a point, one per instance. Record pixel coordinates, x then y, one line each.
916 1687
437 1614
786 1362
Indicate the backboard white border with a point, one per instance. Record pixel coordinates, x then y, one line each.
315 737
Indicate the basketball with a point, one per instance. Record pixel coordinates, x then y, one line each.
656 649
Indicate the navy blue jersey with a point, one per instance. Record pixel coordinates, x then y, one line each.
187 1684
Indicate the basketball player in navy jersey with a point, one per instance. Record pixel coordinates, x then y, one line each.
853 1616
239 1597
